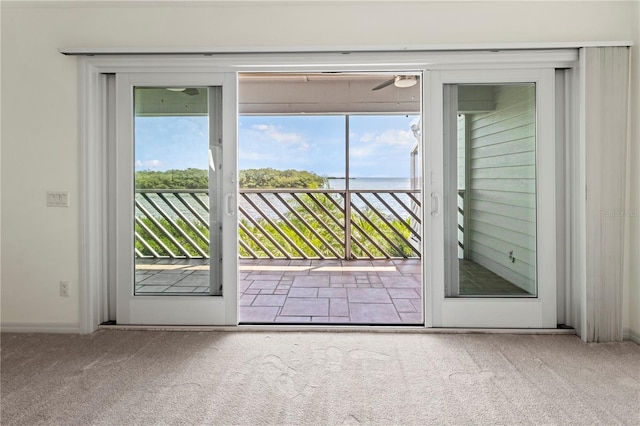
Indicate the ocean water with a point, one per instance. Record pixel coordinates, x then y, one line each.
371 183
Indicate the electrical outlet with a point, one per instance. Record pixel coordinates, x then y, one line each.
64 288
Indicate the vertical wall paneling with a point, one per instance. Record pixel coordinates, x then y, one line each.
502 186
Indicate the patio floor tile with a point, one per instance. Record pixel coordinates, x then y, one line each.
343 320
368 295
152 289
264 285
294 319
380 313
306 306
178 289
399 282
311 281
409 269
404 305
194 280
246 299
403 293
303 292
163 279
411 317
258 313
338 307
326 294
269 300
332 292
343 279
417 303
265 277
291 274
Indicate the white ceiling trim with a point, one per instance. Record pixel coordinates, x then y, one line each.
392 61
215 50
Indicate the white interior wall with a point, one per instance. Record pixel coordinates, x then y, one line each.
40 245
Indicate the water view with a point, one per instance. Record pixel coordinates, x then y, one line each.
370 183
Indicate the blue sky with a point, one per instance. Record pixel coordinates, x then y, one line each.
379 145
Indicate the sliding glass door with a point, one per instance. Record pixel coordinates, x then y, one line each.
176 184
493 199
488 152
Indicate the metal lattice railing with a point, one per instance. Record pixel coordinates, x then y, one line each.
284 224
172 224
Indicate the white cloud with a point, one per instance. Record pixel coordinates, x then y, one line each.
149 164
367 137
394 137
303 146
273 133
254 155
378 144
362 152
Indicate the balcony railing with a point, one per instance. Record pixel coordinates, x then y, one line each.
284 224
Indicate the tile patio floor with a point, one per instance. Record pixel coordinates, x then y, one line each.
330 291
319 291
302 291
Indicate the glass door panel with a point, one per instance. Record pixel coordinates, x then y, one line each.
176 185
175 203
491 200
492 192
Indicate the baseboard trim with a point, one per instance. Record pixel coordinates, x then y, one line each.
628 334
39 327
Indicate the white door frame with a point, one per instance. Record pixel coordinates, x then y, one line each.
176 309
93 134
490 312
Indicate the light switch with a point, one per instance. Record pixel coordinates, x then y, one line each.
57 199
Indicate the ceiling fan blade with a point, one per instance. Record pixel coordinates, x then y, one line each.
191 91
385 84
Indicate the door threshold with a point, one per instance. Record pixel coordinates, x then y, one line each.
340 328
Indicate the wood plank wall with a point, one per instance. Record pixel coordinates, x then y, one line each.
501 193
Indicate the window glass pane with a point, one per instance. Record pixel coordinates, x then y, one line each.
310 143
172 173
493 217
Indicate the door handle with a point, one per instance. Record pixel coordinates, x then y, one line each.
435 204
228 204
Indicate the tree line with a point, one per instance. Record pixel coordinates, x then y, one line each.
192 178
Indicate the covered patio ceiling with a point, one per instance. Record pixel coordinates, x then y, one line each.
327 93
313 93
294 93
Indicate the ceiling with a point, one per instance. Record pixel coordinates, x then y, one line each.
310 93
292 93
324 93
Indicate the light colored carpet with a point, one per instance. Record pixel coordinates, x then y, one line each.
218 378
